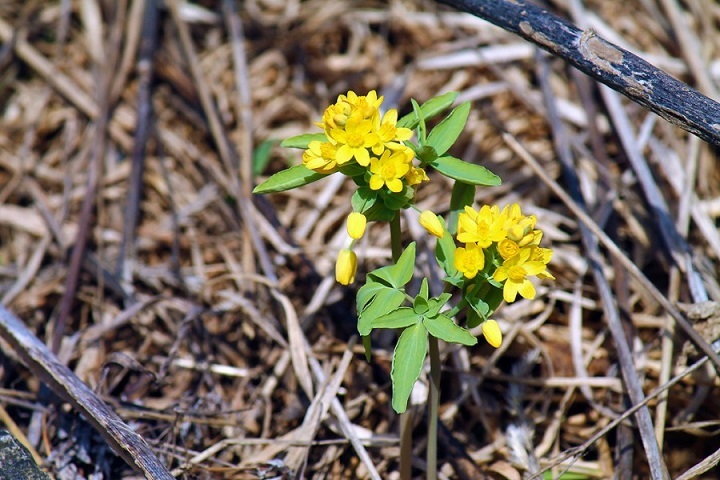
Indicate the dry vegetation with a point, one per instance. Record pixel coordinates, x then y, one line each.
215 327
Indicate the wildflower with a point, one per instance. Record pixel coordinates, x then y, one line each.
507 248
335 116
320 156
354 140
542 255
416 176
368 105
469 260
388 132
514 271
346 266
482 227
491 332
388 170
355 226
432 224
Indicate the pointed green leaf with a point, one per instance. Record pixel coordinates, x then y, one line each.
430 109
424 289
407 364
445 254
445 329
465 172
420 305
436 304
367 293
443 136
400 318
399 274
302 141
462 194
385 301
287 179
261 156
367 343
363 199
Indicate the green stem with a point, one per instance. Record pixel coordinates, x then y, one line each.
434 401
406 422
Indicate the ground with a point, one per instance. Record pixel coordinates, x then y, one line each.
209 318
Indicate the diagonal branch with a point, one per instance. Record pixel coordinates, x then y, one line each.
617 68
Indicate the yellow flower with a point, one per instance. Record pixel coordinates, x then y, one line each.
415 176
542 255
368 106
469 260
388 132
432 224
335 116
491 332
346 266
515 271
355 226
388 170
320 156
482 227
507 248
354 140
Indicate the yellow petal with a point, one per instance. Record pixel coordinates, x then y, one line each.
432 223
346 267
491 332
356 223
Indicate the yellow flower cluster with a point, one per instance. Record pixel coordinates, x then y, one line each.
513 236
357 132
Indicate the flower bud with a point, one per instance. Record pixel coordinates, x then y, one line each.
492 333
432 223
356 223
346 266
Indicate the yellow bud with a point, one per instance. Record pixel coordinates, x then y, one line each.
346 267
492 333
356 225
432 223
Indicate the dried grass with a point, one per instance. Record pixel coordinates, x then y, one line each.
217 331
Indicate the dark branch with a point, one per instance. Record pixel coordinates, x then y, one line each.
617 68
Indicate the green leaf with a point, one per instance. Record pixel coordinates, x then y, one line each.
302 141
400 318
352 169
367 343
431 108
445 329
396 201
420 305
465 172
443 136
363 199
472 318
367 293
379 213
462 194
399 274
445 254
407 364
435 304
261 156
287 179
385 301
424 289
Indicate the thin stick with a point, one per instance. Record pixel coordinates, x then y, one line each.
617 68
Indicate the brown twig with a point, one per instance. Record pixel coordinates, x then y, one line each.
617 68
63 382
